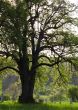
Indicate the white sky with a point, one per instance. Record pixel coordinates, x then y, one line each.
74 1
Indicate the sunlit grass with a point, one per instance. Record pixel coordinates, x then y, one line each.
8 105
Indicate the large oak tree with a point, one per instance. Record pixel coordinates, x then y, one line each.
31 30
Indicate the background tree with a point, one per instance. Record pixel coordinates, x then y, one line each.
29 30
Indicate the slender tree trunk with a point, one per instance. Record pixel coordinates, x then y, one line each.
27 83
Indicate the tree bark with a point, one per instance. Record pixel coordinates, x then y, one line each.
27 86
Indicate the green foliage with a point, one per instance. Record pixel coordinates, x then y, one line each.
6 98
0 87
7 62
52 83
73 93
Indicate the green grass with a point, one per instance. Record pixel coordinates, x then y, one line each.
49 106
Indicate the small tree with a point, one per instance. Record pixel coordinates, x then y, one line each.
28 28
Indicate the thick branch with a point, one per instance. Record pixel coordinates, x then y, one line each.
9 67
43 56
48 64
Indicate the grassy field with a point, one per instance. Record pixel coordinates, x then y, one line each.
48 106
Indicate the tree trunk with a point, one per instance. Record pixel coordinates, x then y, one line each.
27 83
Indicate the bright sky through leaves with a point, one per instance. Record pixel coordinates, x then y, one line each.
74 1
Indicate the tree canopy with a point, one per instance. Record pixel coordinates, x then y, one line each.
31 30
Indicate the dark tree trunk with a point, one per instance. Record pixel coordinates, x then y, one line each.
27 78
27 83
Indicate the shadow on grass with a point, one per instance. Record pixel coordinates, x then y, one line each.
51 106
